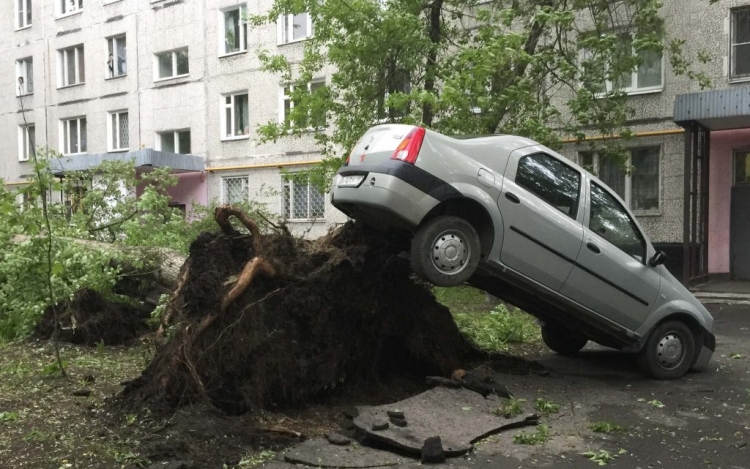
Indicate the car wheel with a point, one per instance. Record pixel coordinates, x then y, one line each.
563 340
669 351
445 251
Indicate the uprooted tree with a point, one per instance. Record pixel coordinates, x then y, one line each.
266 320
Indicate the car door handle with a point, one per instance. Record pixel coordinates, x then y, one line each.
593 248
512 197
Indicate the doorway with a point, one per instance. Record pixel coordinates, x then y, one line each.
739 230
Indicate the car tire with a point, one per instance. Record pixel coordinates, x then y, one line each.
669 351
445 251
563 340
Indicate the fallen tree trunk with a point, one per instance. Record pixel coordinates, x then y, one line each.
162 264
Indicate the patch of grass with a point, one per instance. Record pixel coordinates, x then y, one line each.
462 299
603 457
497 330
606 427
511 408
540 436
252 460
546 407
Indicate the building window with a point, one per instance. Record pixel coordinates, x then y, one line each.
741 168
235 190
234 118
638 187
174 141
118 131
172 64
740 43
292 28
117 61
67 7
23 13
302 200
25 76
312 121
647 76
71 70
26 142
73 136
234 29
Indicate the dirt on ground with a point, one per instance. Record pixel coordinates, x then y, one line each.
90 319
338 312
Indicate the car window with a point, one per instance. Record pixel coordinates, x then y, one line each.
610 221
550 179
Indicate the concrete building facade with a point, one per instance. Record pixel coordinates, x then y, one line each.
179 83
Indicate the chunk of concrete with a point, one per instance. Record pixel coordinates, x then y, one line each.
320 453
432 451
458 416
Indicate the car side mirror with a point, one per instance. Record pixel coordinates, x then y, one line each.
658 259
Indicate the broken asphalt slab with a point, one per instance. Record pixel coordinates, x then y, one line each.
458 416
319 452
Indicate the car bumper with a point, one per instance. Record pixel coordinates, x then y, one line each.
383 200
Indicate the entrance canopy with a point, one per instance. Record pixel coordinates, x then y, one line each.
143 159
715 109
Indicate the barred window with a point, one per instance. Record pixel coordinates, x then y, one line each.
234 190
302 200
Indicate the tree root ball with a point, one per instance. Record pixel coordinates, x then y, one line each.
339 311
90 319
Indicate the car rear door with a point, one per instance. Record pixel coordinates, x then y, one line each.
541 202
612 275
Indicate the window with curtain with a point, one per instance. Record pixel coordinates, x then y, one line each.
636 180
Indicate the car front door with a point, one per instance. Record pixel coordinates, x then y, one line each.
611 275
541 203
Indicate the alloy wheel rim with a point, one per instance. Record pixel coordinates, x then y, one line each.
670 351
450 252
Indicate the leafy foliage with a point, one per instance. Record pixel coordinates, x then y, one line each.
603 457
511 408
538 437
546 407
545 69
100 206
606 427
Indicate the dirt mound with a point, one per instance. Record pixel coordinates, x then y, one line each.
317 316
89 319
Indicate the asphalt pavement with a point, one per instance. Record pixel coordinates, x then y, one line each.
698 421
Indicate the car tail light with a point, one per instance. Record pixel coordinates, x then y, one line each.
409 147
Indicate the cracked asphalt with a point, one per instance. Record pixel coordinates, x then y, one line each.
699 421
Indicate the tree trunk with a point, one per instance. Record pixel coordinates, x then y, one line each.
162 264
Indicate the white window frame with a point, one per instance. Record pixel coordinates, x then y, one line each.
285 25
22 10
23 66
224 187
113 141
283 98
222 29
63 80
24 142
631 90
224 124
174 64
176 139
628 179
112 42
76 6
734 78
288 181
65 128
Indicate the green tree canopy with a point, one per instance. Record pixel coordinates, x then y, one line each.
545 69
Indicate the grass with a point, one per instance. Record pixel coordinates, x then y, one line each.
512 408
546 407
540 436
606 427
491 329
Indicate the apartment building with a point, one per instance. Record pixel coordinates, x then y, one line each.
164 83
178 83
691 150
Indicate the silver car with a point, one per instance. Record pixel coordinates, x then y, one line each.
518 220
